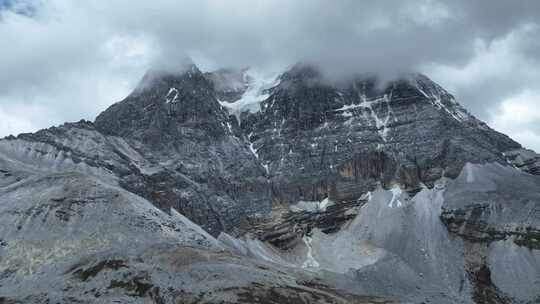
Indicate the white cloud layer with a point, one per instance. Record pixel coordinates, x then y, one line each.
63 60
519 116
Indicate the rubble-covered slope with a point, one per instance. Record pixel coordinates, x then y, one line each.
72 238
473 239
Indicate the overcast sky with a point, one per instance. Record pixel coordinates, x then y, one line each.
63 60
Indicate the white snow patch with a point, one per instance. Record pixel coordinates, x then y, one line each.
253 150
366 196
251 147
346 114
311 206
325 203
396 193
172 96
229 127
310 261
381 124
255 93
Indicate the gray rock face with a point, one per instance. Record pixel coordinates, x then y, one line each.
206 170
326 190
286 227
229 84
173 142
325 140
526 160
494 203
338 140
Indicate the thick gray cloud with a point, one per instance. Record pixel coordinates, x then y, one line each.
69 59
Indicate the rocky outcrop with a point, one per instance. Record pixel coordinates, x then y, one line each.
470 223
495 209
504 206
479 275
526 160
285 228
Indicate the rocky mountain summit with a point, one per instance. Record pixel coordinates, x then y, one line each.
238 187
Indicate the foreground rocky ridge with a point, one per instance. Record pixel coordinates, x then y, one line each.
72 238
352 188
